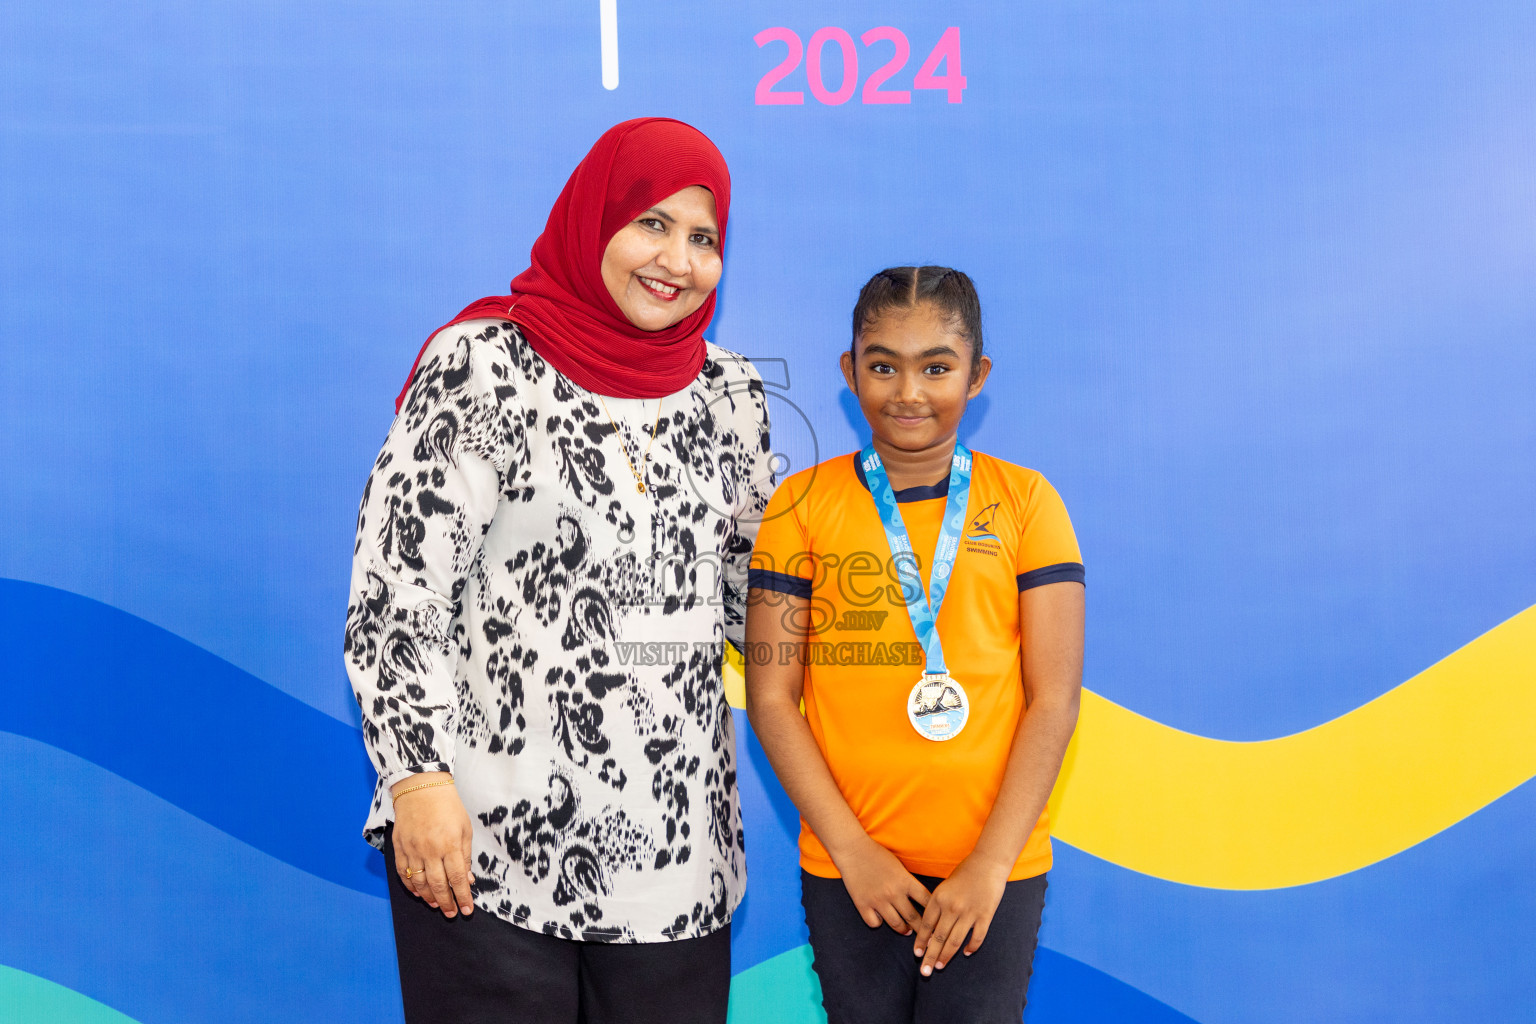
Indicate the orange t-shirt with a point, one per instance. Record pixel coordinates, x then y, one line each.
821 539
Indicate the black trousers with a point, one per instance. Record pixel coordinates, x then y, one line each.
480 969
869 975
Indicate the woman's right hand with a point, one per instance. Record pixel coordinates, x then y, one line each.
432 840
882 889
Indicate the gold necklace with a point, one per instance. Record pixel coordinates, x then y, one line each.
624 443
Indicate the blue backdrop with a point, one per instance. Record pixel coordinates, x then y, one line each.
1257 279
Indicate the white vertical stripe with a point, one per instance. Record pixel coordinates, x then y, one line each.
610 31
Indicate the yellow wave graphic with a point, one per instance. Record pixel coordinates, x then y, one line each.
1306 807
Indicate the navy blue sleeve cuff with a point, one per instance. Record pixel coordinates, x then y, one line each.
767 579
1061 572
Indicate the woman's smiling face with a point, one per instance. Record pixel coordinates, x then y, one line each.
661 266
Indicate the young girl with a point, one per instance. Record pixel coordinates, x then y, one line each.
926 604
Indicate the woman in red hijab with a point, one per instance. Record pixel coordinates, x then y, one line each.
551 553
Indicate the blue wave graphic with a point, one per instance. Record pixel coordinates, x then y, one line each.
152 747
189 727
1068 991
263 897
142 907
1444 931
171 920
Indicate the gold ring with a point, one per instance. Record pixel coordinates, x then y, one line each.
408 872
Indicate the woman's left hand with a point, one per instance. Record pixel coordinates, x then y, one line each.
962 903
432 838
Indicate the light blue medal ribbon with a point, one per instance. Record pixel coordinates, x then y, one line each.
937 705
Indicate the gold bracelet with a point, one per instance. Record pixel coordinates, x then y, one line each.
424 785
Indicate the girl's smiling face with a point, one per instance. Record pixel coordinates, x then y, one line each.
661 266
913 376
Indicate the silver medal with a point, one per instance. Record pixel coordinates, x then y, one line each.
937 707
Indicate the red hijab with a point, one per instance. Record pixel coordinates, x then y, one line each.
560 301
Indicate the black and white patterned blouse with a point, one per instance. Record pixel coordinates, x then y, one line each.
523 616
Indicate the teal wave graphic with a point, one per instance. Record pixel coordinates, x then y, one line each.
784 990
27 999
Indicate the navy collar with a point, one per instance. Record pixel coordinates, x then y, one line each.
926 492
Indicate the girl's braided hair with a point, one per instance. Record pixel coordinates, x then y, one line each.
948 291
